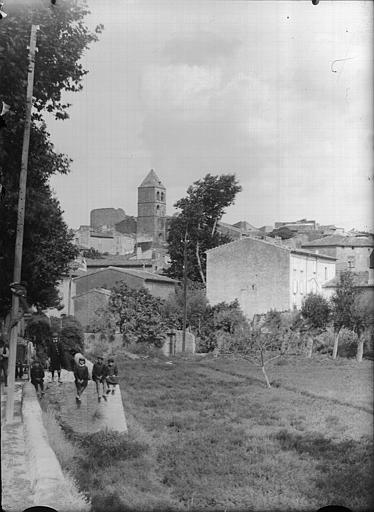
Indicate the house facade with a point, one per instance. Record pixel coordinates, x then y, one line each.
351 252
262 275
86 304
109 241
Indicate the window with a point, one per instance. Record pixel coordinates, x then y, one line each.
295 286
325 273
162 196
158 195
351 262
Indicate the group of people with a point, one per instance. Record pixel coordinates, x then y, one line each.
104 375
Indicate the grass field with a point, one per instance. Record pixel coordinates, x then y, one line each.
205 434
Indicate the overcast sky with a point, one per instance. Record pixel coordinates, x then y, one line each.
247 87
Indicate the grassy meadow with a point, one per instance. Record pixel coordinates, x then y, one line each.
206 434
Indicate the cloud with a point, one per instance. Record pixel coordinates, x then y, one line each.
199 48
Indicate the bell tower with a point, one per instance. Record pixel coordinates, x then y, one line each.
151 210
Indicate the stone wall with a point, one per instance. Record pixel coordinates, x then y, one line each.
254 272
106 217
49 485
173 344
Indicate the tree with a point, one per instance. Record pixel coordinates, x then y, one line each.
104 321
284 233
139 315
47 245
343 307
72 340
197 304
316 312
200 213
38 330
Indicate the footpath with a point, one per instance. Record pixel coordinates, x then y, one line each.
30 472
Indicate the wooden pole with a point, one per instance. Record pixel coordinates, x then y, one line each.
20 227
184 292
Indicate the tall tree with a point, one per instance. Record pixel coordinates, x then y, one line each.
200 212
345 308
61 41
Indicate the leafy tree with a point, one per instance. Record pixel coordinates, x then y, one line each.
104 321
316 311
200 212
72 339
221 324
343 307
196 306
47 245
38 330
284 233
139 315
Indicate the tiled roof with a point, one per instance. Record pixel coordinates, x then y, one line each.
341 241
274 243
143 274
310 253
152 180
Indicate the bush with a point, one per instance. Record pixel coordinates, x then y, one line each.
72 339
347 343
316 311
324 342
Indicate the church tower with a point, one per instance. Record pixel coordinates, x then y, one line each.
151 210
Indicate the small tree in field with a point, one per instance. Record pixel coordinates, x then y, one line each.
263 344
316 312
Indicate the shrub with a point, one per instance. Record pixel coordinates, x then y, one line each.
347 343
72 339
315 310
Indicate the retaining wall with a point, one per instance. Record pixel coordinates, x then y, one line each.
48 483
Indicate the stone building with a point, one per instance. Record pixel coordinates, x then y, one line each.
351 252
107 217
109 241
158 286
262 275
151 222
87 303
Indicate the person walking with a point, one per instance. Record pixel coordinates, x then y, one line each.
4 358
81 377
37 376
99 373
112 376
55 356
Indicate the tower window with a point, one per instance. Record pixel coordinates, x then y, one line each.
162 196
158 195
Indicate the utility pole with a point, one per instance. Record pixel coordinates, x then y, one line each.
184 291
20 227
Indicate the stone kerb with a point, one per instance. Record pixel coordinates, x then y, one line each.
47 478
